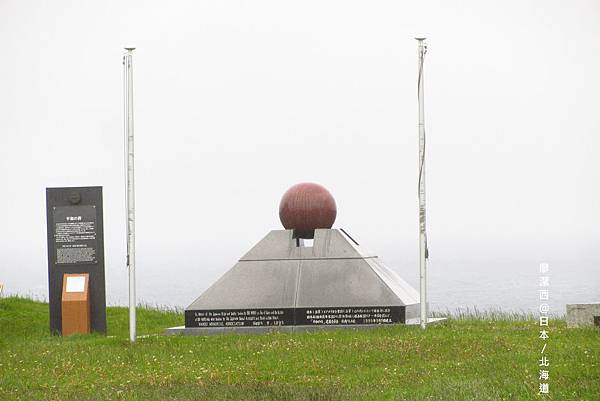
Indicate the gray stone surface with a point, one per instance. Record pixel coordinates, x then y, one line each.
253 284
334 272
342 282
582 315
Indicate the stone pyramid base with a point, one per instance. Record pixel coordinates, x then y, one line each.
287 284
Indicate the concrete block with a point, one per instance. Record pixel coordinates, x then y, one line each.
582 315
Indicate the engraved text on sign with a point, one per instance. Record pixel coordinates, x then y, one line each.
75 234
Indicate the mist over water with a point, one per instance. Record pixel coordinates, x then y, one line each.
453 285
236 101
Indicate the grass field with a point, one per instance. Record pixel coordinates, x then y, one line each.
461 359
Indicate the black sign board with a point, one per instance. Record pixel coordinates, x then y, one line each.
340 315
76 245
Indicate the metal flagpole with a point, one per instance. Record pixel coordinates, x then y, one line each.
130 197
423 251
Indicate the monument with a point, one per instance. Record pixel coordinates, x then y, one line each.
76 247
308 276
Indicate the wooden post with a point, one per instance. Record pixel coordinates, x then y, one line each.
75 304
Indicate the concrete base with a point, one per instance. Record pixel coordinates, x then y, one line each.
583 315
209 331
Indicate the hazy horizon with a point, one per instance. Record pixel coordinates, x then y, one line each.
237 101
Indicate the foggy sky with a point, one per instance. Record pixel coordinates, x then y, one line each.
235 101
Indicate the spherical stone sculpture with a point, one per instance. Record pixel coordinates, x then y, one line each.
307 206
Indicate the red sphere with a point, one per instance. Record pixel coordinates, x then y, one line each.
307 206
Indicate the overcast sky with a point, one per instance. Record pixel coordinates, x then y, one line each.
235 101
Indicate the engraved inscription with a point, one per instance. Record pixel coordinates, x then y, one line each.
233 318
346 315
75 234
343 316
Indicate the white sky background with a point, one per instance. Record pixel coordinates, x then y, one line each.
235 101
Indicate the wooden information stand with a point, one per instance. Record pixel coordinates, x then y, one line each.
75 304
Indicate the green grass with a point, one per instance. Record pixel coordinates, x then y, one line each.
461 359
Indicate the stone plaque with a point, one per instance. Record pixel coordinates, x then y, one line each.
350 315
76 245
330 316
239 317
75 234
